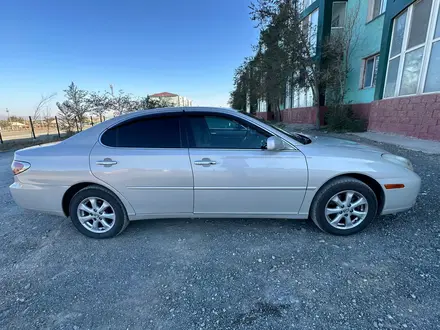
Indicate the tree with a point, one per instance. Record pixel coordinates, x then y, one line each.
66 116
16 119
245 93
72 111
44 101
4 124
99 103
338 52
123 103
47 118
76 103
285 57
152 103
284 49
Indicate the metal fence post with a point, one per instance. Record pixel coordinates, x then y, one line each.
91 120
32 127
58 127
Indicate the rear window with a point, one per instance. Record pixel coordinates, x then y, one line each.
162 132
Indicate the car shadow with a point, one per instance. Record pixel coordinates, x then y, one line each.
189 224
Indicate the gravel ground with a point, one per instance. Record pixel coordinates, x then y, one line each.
223 274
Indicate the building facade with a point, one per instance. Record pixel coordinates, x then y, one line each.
172 99
394 83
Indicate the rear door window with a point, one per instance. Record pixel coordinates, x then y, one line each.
150 132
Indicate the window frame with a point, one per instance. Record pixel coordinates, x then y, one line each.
178 115
371 5
241 121
427 44
306 4
376 59
306 23
345 15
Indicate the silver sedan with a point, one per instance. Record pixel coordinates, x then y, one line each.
209 162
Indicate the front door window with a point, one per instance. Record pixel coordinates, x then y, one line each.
218 132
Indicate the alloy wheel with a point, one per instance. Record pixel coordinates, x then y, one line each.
346 209
96 214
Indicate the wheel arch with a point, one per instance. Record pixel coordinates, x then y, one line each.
68 195
368 180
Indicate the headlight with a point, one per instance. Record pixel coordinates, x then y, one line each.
398 160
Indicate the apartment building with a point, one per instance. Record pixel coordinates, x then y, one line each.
394 83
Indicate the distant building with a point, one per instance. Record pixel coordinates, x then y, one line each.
173 99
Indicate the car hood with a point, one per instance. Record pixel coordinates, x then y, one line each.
325 141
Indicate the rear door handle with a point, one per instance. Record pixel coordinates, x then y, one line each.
107 162
205 162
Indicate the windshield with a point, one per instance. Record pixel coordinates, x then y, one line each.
296 136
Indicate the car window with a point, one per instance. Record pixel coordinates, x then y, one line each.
222 123
221 132
161 132
296 136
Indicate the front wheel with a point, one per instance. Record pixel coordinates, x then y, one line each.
96 212
344 206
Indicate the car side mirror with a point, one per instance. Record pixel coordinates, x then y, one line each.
274 143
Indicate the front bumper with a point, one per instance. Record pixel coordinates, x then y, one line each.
41 198
399 200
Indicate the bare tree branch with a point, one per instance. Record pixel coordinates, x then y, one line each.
41 105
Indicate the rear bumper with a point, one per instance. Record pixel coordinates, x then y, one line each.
399 200
46 199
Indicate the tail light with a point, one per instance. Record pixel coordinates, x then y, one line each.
19 166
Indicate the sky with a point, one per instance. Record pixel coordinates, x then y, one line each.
187 47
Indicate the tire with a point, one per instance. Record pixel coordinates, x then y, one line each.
114 216
358 218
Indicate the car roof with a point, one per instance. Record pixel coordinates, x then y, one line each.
144 112
92 133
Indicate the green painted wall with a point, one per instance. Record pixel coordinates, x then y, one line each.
370 36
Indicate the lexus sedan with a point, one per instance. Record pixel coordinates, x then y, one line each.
209 162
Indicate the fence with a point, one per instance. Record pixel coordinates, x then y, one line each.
27 128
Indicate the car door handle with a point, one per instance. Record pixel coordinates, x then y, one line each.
205 162
107 162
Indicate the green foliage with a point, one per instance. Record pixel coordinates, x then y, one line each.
245 87
285 57
342 119
283 49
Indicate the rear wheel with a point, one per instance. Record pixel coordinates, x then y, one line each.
98 213
344 206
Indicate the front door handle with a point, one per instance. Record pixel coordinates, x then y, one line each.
107 162
205 162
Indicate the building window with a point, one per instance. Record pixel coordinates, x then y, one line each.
338 14
415 51
310 24
376 8
370 65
